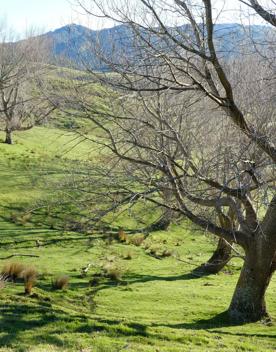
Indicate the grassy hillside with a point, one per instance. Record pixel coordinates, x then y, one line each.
133 298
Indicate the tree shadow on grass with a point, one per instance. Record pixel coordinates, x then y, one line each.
212 325
218 321
19 318
23 323
140 278
134 278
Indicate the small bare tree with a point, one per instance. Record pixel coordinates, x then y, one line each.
22 103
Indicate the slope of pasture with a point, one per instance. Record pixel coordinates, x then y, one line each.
157 304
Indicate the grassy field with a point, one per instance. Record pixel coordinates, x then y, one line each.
141 303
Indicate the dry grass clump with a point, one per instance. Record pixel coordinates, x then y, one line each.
122 236
14 218
29 275
128 255
13 270
61 282
113 272
146 245
137 240
25 218
159 253
166 253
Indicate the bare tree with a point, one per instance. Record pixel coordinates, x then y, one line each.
22 103
177 119
267 14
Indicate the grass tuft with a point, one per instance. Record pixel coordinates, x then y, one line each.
128 255
29 275
113 271
137 240
61 282
13 270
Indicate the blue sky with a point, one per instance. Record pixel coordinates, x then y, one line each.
45 15
42 14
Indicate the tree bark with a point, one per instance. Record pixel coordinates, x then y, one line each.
8 139
248 302
218 260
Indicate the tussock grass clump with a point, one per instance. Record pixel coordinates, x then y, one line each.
113 271
14 218
166 253
158 252
137 240
13 270
61 282
122 236
29 275
128 255
25 218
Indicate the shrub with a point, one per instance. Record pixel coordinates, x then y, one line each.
61 282
13 270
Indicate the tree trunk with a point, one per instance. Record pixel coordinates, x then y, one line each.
248 302
218 260
8 139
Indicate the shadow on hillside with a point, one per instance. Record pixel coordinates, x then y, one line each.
131 279
44 324
106 283
22 323
21 318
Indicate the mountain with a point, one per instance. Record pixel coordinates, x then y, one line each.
78 44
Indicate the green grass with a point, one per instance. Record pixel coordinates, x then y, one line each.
158 305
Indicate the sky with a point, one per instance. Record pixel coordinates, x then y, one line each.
45 15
